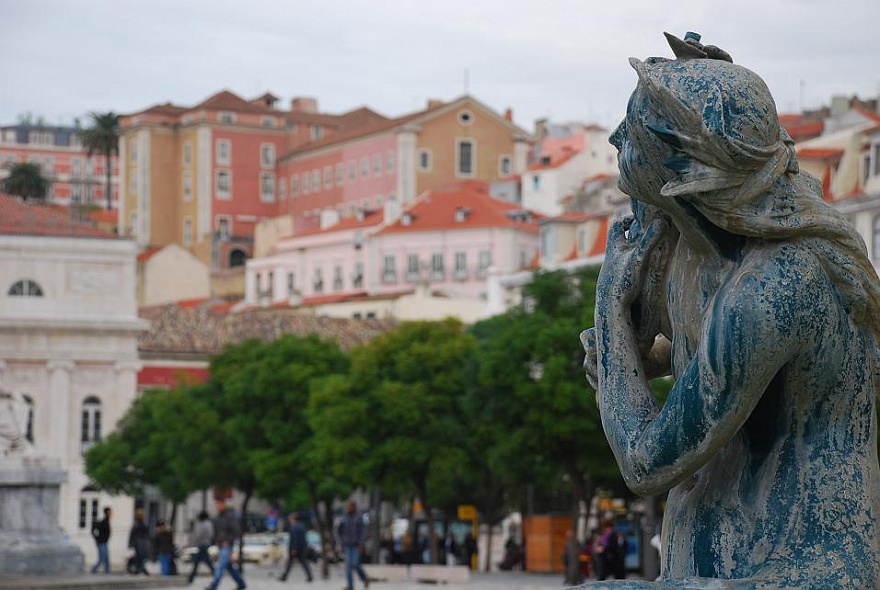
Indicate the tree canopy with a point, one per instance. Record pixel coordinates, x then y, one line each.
26 180
102 137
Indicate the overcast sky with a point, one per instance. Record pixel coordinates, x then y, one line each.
562 59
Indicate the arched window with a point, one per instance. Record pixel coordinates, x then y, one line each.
88 508
25 288
29 427
237 257
91 422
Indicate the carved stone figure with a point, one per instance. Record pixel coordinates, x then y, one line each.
13 424
735 277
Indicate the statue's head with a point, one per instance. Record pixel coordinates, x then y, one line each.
698 125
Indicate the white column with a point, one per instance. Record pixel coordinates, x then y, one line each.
62 444
250 283
126 391
406 163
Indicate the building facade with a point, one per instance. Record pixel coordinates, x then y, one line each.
68 342
374 263
77 179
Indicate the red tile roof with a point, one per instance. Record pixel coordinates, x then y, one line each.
104 216
171 376
372 217
226 100
436 211
147 254
25 219
820 153
554 159
601 238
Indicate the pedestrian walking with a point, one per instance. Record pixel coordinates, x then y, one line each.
164 545
202 537
226 530
297 548
352 533
139 540
101 534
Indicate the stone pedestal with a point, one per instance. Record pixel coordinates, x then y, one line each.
30 539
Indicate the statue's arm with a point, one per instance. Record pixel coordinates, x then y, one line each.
744 342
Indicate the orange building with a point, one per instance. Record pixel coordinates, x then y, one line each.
393 160
203 176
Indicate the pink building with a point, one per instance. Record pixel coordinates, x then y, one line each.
443 244
77 179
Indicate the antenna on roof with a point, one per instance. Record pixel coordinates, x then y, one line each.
466 72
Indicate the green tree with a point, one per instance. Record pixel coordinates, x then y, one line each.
102 137
260 391
26 180
157 442
396 421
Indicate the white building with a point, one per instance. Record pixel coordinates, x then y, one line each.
68 341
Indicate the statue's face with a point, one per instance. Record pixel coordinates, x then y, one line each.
640 154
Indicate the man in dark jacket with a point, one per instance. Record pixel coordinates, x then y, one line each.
352 534
226 532
101 534
297 548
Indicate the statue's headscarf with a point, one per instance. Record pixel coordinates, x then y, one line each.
737 166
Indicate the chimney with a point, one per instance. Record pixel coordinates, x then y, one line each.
434 102
541 128
304 104
508 114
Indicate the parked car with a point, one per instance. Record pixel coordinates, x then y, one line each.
187 554
265 548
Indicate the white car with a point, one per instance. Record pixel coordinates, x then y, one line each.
265 548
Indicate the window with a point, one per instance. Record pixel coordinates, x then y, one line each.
877 159
187 187
267 187
340 174
307 183
316 180
267 155
88 509
90 431
876 237
187 153
412 267
389 161
134 224
133 150
282 189
581 240
484 261
505 166
237 257
226 117
389 270
337 278
132 184
377 164
352 170
465 117
224 229
437 266
328 177
464 156
291 284
224 152
425 160
187 231
25 288
270 290
294 184
460 265
317 132
318 281
536 182
268 122
357 276
223 184
365 167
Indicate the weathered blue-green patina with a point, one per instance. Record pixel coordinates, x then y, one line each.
758 297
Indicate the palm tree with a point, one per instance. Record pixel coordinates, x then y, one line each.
26 180
103 138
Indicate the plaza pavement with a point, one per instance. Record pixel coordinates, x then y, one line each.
260 577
